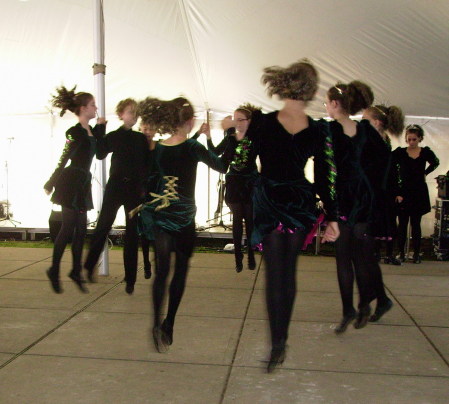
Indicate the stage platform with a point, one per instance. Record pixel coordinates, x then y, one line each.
33 233
96 347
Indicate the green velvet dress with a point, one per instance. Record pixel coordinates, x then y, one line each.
170 205
283 198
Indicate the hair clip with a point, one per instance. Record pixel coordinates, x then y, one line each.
382 112
340 91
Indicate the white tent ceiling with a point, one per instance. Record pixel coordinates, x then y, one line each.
213 51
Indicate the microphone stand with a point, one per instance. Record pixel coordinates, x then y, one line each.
8 217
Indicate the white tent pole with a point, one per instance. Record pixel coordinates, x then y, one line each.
99 72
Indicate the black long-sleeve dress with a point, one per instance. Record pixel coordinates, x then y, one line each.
242 171
282 194
72 184
171 206
363 164
412 179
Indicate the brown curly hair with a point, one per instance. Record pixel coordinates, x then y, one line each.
247 109
299 81
416 130
391 118
165 116
69 100
352 97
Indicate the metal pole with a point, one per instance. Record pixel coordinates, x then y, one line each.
208 171
99 70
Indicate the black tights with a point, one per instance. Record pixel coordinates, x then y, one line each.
145 251
163 245
415 222
389 247
356 258
74 225
241 212
280 254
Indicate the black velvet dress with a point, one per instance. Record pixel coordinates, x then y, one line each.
282 195
412 179
363 165
72 184
242 174
171 205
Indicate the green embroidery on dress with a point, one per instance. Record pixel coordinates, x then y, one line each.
332 174
241 154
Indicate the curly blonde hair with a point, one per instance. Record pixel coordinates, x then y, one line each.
299 81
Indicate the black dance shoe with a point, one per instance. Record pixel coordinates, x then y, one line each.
344 323
147 270
238 267
380 311
129 288
362 317
79 281
91 275
392 261
251 262
416 259
157 339
167 333
277 357
402 257
54 280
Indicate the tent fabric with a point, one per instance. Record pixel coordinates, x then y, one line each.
214 51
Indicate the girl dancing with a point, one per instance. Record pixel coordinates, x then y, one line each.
168 217
239 179
72 184
363 160
284 201
388 120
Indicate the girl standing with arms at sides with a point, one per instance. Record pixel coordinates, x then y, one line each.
168 217
240 178
413 196
363 160
72 184
388 120
284 201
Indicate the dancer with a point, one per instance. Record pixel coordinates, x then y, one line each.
284 201
149 132
363 160
239 179
125 187
72 184
388 120
413 196
168 217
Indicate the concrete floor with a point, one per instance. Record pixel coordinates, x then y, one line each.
95 348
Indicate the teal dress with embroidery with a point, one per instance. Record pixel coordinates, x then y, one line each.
170 205
282 194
